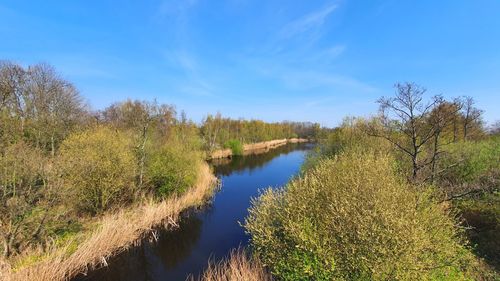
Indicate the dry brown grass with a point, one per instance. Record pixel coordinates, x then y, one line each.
297 140
239 267
256 148
116 233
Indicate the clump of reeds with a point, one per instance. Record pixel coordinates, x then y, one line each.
239 266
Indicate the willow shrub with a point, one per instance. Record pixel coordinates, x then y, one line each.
173 167
235 145
98 169
352 218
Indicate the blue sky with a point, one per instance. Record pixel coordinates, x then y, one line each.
273 60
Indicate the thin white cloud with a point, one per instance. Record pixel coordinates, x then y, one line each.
307 22
297 63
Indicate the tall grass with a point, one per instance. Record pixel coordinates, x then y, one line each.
253 148
238 267
116 233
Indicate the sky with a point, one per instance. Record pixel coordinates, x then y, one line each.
315 61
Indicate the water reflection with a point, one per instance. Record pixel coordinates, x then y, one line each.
175 246
143 262
227 166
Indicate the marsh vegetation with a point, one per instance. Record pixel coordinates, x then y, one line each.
411 193
65 169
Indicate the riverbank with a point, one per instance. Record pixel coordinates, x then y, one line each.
114 233
210 233
255 148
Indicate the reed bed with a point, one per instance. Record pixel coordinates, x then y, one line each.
240 266
256 148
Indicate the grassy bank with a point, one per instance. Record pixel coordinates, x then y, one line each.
114 233
255 148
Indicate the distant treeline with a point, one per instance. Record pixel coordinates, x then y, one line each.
217 131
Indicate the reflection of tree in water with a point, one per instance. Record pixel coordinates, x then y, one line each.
134 264
226 166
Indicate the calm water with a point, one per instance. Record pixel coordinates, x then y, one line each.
212 232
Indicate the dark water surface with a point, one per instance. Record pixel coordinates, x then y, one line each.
211 232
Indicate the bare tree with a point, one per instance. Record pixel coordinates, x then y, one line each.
53 104
405 123
12 83
471 116
495 128
440 118
11 86
37 105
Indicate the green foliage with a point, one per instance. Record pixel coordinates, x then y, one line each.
235 146
98 168
472 163
173 167
353 218
350 135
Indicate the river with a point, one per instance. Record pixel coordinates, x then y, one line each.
209 233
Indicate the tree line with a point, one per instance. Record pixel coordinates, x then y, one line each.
218 131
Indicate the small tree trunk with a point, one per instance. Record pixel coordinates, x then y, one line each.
415 167
455 130
434 157
143 156
39 228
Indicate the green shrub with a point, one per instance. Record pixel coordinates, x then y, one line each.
173 168
235 146
353 218
98 168
350 135
471 162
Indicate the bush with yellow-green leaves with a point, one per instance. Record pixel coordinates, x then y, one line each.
173 167
98 169
352 217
